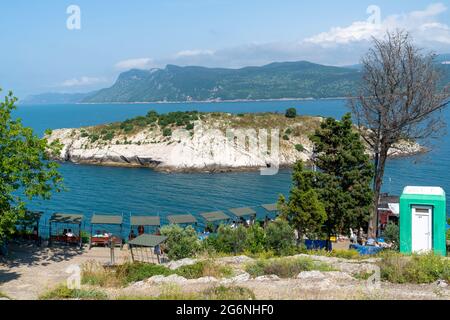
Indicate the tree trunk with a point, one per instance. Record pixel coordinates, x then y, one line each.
380 163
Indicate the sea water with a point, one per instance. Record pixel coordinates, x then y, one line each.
140 191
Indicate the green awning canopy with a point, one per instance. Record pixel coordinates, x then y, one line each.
270 207
240 212
145 221
68 218
182 219
106 219
214 216
147 240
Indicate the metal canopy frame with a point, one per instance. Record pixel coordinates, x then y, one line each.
272 207
242 212
215 216
108 220
67 218
151 221
182 219
143 245
147 240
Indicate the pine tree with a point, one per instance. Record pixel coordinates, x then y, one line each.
344 175
303 210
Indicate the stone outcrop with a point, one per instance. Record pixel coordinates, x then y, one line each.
206 149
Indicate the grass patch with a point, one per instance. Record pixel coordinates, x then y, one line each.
97 275
206 268
228 293
132 272
339 253
3 295
62 292
428 268
174 292
363 275
285 267
93 273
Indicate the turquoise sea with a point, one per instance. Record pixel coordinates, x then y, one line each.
125 191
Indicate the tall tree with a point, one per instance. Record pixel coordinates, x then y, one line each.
303 210
26 170
344 173
398 99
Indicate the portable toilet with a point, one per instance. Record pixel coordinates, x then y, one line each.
423 220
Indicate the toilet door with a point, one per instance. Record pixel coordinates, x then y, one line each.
421 229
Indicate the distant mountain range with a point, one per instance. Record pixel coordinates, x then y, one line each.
284 80
56 98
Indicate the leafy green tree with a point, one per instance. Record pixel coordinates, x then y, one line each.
256 239
234 240
344 174
181 242
280 237
303 210
26 169
291 113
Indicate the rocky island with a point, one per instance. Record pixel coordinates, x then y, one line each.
198 142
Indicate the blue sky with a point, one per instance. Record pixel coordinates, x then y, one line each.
39 54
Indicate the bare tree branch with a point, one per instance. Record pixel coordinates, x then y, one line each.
399 99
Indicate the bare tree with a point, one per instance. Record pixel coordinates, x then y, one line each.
398 99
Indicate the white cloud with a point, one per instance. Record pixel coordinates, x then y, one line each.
193 53
139 63
82 81
431 11
341 45
423 25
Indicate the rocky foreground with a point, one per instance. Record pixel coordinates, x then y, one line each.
206 142
33 271
343 284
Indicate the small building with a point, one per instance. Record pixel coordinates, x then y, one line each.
388 211
423 220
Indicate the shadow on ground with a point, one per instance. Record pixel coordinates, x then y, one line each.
6 276
29 255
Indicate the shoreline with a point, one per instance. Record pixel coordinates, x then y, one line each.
192 102
205 170
204 150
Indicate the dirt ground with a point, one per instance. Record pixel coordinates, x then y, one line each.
31 271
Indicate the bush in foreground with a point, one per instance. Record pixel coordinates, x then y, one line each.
132 272
62 292
278 238
397 268
206 268
181 242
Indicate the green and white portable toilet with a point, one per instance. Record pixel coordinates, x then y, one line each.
423 220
